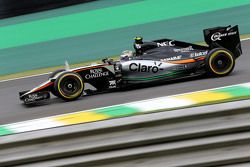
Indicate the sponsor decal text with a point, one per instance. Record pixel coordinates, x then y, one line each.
138 67
166 43
96 73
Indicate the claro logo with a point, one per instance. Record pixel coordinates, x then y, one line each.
138 67
217 36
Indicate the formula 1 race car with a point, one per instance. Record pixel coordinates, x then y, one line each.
153 61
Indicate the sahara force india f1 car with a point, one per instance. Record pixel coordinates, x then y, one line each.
153 61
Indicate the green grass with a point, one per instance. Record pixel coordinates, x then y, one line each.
94 21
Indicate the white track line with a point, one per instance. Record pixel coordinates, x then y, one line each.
30 76
126 104
7 80
244 39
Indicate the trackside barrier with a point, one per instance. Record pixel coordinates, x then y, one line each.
213 135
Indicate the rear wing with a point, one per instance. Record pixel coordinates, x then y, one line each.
226 37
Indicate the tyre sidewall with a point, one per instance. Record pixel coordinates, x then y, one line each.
58 82
211 55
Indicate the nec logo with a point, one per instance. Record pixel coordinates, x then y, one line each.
166 43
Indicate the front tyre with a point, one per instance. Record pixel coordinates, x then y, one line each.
69 86
220 62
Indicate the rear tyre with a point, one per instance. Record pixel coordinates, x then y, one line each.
69 86
220 62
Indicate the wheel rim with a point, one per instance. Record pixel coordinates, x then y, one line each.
70 86
221 63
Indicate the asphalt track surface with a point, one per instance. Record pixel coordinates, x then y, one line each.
12 110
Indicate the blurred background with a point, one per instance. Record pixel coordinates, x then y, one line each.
93 30
203 122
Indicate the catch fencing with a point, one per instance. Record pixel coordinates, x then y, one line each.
212 135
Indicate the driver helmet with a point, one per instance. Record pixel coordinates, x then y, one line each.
138 40
127 54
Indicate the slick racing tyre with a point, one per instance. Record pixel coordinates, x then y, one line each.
69 86
220 62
